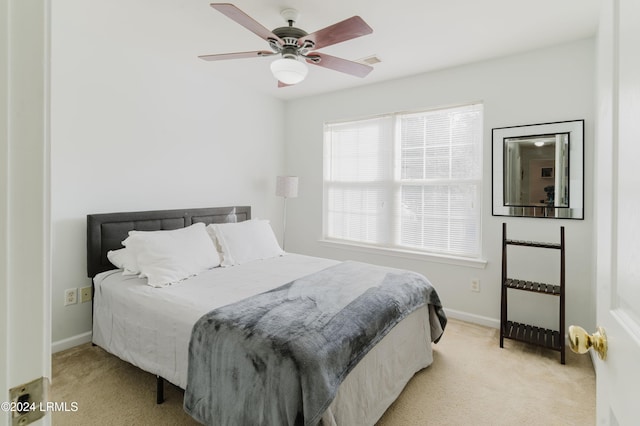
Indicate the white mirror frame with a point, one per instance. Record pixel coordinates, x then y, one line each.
575 128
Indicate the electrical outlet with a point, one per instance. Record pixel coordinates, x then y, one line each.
85 294
475 285
70 296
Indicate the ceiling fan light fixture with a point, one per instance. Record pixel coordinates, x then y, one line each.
296 46
289 70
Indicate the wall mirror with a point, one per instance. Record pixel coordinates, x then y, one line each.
538 170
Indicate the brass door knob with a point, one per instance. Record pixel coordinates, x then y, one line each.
580 341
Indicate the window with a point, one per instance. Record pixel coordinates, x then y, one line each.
409 181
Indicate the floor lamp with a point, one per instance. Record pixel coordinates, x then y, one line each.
287 187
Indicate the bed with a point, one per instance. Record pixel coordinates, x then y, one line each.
151 327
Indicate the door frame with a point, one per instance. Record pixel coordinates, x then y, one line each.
25 219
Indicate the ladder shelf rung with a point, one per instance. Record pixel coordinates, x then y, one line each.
533 244
533 286
534 335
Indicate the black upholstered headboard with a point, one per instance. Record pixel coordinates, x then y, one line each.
106 231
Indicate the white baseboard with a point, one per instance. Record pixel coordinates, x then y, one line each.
70 342
472 318
491 322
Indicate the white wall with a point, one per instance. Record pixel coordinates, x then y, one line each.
139 123
547 85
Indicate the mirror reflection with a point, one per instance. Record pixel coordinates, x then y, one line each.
536 169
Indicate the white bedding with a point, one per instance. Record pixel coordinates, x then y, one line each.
151 327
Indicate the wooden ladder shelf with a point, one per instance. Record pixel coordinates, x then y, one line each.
552 339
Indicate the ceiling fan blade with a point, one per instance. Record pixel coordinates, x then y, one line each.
336 33
237 55
245 20
338 64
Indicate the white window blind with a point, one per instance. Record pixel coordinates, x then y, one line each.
406 181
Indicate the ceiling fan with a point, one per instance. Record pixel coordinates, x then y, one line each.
296 46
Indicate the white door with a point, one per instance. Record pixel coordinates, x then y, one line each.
617 211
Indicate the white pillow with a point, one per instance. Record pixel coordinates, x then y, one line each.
124 259
167 257
243 242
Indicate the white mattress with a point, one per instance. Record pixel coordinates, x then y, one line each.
150 328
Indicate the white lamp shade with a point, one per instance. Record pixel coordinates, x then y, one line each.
287 186
289 70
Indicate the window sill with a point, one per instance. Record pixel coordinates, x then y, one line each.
407 254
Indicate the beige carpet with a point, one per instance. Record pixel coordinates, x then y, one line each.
471 382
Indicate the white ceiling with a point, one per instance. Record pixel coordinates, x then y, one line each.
410 36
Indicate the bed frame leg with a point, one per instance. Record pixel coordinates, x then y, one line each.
159 390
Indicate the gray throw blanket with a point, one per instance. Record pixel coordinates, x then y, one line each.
277 358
